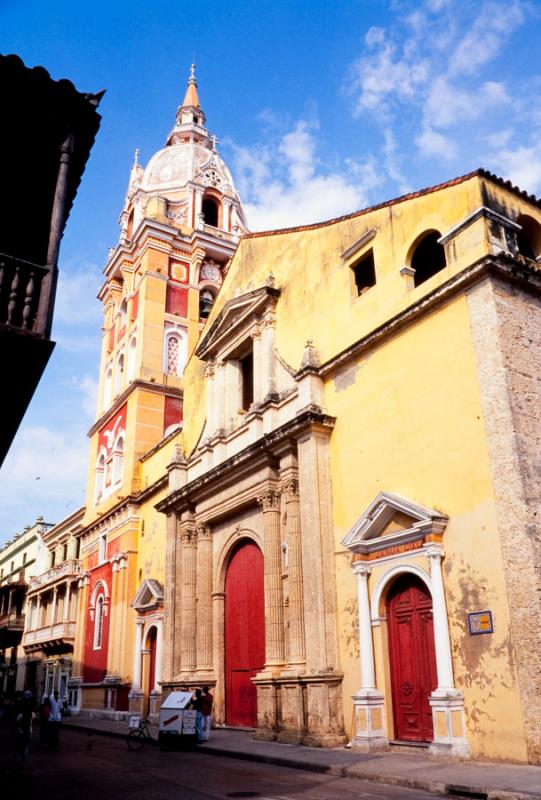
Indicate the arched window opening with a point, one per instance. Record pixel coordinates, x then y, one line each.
210 211
119 377
206 301
529 238
174 352
123 313
100 478
107 388
132 351
98 623
118 460
428 258
129 227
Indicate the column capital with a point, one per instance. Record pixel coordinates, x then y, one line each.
203 532
360 568
290 487
188 536
269 500
140 621
209 370
434 551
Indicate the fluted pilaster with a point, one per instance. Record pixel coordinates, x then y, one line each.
297 653
188 621
274 608
204 599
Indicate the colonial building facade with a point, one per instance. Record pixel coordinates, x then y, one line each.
180 226
311 480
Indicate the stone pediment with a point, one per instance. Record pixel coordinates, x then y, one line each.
149 596
235 321
392 520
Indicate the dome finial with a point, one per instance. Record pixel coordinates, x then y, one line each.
191 98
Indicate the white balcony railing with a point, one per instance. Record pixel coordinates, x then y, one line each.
69 568
50 633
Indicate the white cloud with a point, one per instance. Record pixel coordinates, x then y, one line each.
88 387
44 469
432 78
522 165
76 302
284 182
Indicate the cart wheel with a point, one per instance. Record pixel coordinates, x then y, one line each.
135 739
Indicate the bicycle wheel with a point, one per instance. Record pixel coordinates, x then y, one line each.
136 739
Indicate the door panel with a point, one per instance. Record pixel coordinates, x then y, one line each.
244 633
412 658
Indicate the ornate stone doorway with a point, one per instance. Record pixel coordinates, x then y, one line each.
412 658
244 633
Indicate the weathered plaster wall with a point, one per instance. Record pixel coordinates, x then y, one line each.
506 328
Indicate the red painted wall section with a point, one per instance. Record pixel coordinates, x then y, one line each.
95 661
244 633
176 301
172 413
134 306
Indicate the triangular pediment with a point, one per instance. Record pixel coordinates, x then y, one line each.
390 518
149 595
236 315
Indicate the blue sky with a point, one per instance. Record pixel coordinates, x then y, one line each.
321 108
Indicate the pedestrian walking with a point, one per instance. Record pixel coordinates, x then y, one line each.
44 716
206 709
197 705
55 719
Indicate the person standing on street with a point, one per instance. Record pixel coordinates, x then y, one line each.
197 704
55 718
206 711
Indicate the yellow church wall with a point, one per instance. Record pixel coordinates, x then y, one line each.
412 441
151 317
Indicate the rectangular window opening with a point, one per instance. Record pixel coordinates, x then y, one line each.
364 272
247 373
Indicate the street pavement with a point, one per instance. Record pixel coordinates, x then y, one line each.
89 767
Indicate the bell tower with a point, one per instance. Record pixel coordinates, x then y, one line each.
179 227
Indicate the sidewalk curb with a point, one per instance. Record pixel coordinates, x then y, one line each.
344 771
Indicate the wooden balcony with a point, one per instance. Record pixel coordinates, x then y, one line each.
12 622
49 637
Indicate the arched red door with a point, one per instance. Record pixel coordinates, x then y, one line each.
412 658
151 645
244 633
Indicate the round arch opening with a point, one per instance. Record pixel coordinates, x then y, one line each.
244 632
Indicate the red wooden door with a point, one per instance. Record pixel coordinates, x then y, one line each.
412 658
244 633
151 645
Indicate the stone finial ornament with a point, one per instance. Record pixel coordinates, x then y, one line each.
310 358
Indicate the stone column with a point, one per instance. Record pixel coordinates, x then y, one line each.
297 653
80 628
274 601
159 656
123 606
188 620
258 366
370 733
112 663
53 606
204 599
198 206
171 653
268 358
137 655
209 376
323 679
226 222
219 397
447 702
67 598
37 611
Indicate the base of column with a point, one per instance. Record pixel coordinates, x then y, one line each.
370 728
292 708
323 706
112 678
267 716
449 722
136 700
155 702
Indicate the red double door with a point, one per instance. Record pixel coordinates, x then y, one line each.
412 658
244 633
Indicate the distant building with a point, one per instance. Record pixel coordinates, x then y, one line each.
47 132
51 610
20 561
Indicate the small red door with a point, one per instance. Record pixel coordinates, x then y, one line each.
244 633
151 644
412 658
